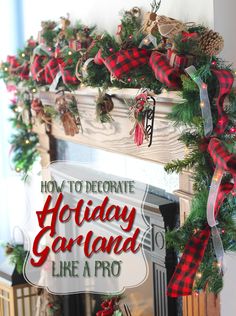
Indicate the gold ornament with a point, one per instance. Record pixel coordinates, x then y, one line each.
211 43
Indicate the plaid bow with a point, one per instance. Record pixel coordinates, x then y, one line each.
37 69
163 71
226 80
123 61
181 283
51 70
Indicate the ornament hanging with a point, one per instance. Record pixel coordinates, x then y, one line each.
104 105
142 113
70 121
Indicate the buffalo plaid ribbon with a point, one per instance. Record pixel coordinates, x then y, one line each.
37 69
51 70
123 61
221 157
13 62
18 69
181 283
226 80
46 74
68 74
24 71
163 71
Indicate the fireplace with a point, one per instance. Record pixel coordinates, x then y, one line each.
161 212
165 147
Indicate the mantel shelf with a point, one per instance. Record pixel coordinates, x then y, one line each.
115 136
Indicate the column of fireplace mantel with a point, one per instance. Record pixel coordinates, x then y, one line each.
115 137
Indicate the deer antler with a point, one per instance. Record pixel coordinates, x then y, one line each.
155 6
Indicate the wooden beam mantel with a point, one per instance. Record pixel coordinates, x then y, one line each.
115 136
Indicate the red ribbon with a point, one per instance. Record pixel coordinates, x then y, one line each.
226 80
16 68
37 69
186 36
163 71
107 308
123 61
182 280
181 283
46 74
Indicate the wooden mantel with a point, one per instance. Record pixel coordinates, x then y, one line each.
115 137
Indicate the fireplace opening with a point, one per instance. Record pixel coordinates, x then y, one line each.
161 211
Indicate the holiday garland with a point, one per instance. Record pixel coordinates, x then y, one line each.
154 53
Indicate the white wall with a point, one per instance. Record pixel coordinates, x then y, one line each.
225 23
105 13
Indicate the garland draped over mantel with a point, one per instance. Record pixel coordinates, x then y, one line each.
151 53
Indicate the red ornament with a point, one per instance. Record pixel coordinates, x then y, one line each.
232 130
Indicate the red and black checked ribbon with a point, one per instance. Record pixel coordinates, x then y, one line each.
51 70
37 68
13 62
16 68
163 71
223 159
226 80
123 61
46 74
181 283
68 74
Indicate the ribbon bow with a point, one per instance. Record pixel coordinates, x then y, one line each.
123 61
182 280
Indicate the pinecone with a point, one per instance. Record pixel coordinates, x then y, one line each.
211 43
